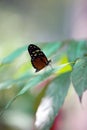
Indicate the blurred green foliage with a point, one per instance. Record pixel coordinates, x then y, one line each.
17 76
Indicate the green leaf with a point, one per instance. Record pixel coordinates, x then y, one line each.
35 81
79 75
76 49
39 78
9 83
30 78
51 48
57 92
10 58
32 82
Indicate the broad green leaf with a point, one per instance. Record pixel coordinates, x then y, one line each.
58 87
31 78
10 58
35 81
19 81
76 49
79 75
57 91
41 77
51 48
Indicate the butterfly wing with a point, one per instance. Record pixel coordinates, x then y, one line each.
40 61
38 58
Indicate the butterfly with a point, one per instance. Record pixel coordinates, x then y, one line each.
38 58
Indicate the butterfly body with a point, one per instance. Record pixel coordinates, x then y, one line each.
38 58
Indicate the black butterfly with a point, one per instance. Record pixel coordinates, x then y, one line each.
38 58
